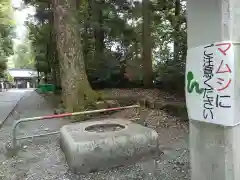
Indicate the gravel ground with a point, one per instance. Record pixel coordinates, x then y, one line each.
41 158
150 94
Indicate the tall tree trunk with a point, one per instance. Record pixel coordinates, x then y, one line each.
56 66
177 30
54 56
88 36
49 46
76 90
147 45
99 32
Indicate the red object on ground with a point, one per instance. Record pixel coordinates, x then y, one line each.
57 116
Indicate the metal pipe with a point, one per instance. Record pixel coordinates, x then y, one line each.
14 139
38 135
76 113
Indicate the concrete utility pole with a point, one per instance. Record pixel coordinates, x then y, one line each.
214 30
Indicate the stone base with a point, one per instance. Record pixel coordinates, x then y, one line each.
87 150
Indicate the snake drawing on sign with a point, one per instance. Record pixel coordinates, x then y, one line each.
193 84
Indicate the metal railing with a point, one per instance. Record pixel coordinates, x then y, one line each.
14 138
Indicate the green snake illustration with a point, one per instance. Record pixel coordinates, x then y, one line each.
191 85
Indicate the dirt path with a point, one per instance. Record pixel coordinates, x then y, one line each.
41 158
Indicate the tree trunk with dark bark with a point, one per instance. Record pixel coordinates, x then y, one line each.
99 32
54 55
76 90
177 30
147 45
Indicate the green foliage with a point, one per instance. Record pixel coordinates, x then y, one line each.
8 77
171 30
39 36
6 26
111 34
23 56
